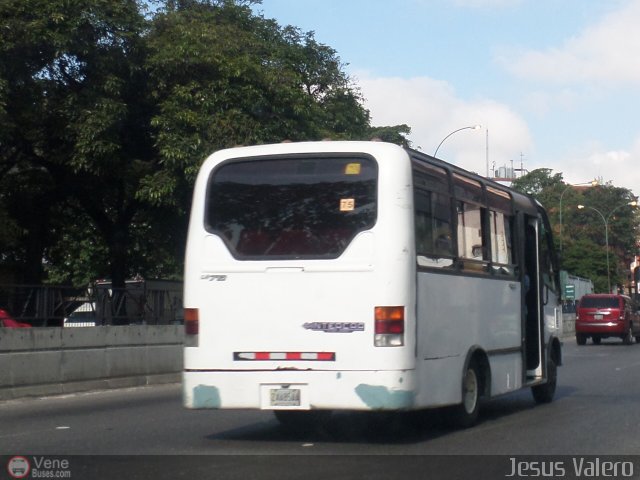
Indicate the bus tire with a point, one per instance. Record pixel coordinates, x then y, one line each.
544 393
465 414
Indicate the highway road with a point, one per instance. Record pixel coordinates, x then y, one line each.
596 412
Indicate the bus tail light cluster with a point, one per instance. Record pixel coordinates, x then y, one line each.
389 326
191 327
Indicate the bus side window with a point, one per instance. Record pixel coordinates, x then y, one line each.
471 238
501 231
473 250
501 243
547 267
433 230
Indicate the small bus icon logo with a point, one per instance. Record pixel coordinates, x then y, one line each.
18 467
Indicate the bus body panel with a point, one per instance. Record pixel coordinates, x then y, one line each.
448 329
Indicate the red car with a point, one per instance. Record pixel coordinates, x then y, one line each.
7 321
607 315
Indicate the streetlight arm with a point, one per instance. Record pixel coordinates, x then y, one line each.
605 220
632 204
474 127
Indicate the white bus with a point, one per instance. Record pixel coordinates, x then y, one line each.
363 276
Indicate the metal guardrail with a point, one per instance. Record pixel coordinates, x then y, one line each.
143 302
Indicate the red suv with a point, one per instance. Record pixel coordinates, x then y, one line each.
607 315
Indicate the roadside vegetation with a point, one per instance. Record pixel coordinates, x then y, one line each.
107 109
608 217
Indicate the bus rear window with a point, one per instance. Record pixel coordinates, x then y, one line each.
292 207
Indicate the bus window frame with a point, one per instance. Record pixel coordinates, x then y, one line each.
549 266
488 197
431 179
254 160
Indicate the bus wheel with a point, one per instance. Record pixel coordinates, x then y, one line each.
302 421
465 415
544 393
581 339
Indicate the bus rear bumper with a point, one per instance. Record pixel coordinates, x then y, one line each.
300 390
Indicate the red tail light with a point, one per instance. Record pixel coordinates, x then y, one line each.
389 326
191 321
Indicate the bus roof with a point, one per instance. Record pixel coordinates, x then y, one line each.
522 201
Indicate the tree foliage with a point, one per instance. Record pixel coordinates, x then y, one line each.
583 234
393 134
107 111
538 181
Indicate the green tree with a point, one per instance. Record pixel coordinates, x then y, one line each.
537 181
582 239
610 220
107 112
547 188
246 81
393 134
71 104
585 258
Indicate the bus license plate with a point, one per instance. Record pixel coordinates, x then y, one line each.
285 397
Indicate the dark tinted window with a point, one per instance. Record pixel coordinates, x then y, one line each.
429 177
499 200
467 189
548 266
600 302
433 224
302 207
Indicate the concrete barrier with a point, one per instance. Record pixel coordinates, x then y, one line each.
568 324
51 361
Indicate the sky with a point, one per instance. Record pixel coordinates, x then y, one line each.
553 83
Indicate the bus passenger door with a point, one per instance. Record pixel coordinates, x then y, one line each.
541 295
532 301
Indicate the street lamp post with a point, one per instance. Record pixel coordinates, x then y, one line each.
473 127
606 232
593 183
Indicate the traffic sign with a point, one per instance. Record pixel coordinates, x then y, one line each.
570 292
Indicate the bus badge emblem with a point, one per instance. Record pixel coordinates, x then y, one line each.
213 278
335 327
